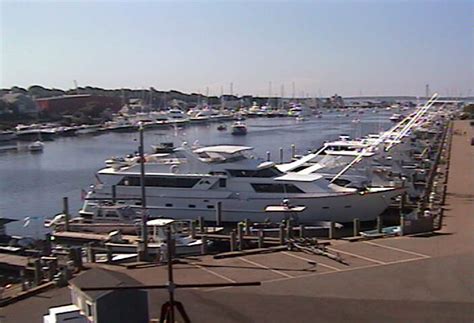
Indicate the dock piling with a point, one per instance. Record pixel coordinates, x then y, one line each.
261 238
204 245
332 229
379 224
302 233
240 235
201 224
293 151
356 227
193 229
218 213
247 227
281 155
232 241
38 273
268 156
281 234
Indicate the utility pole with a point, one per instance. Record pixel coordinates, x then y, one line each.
142 183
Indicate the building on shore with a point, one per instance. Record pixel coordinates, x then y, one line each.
67 104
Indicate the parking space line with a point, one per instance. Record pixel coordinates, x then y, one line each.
358 256
215 274
307 259
397 249
268 268
374 265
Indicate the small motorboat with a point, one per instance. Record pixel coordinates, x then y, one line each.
239 128
221 127
36 146
185 244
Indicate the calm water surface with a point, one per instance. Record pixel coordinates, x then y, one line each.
32 185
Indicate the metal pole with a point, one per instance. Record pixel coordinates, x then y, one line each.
171 285
218 213
66 213
142 183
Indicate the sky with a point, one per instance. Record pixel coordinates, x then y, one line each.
322 47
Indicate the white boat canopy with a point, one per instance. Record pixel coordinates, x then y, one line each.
226 149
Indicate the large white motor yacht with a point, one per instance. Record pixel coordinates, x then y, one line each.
243 184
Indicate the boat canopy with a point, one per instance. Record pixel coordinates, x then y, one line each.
299 177
226 149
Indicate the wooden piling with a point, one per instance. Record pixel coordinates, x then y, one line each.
218 213
302 233
289 229
232 241
281 155
293 151
38 273
402 225
379 224
356 227
268 156
332 229
201 224
90 253
110 255
204 245
247 227
240 235
281 234
193 229
66 213
261 236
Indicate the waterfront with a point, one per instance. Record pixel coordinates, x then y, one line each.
68 164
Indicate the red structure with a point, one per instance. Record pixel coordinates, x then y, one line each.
71 103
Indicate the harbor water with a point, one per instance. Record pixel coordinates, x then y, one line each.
32 184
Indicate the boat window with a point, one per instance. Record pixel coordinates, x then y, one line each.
265 172
210 206
347 206
222 182
172 181
169 205
111 215
191 205
326 207
276 188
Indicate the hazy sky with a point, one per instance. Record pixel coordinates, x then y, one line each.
324 47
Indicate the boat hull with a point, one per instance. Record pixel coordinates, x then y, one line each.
343 207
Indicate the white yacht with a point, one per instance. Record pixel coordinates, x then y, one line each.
300 111
245 186
239 128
